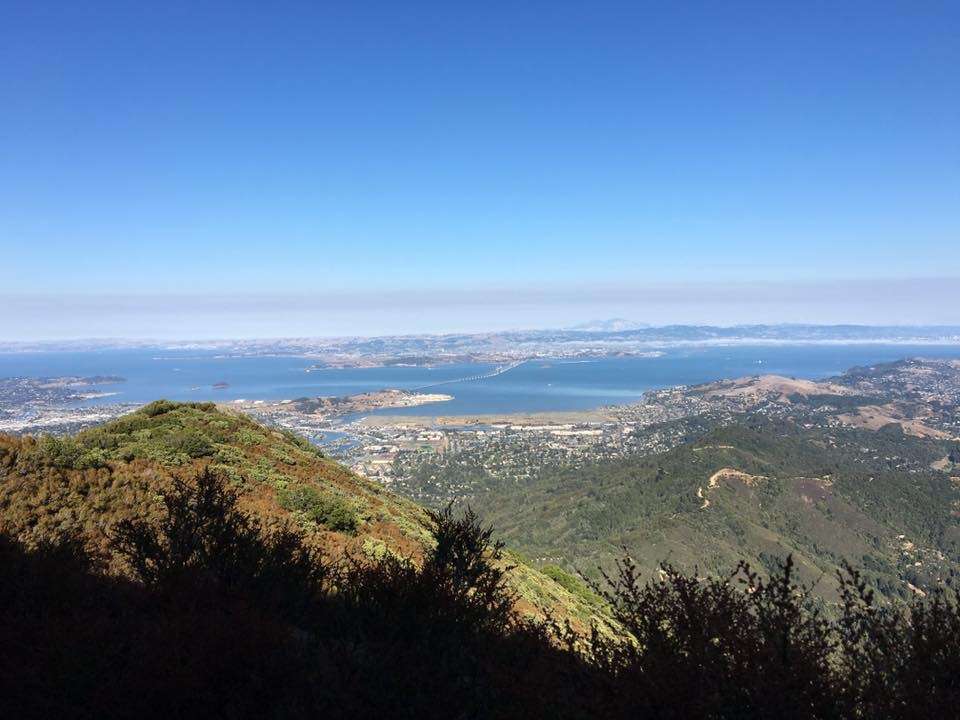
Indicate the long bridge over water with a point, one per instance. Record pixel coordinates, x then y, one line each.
499 370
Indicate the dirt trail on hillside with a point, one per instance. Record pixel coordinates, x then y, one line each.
726 474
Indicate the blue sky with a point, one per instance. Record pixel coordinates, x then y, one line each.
311 168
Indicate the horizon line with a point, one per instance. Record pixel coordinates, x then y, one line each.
640 327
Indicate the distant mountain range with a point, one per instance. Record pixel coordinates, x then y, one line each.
611 336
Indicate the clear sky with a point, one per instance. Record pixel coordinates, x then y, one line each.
201 169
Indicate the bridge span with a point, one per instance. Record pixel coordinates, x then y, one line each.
499 370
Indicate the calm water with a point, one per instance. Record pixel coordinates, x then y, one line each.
534 386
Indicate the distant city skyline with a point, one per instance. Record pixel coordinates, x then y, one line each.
224 170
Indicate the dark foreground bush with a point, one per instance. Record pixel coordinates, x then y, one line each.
220 618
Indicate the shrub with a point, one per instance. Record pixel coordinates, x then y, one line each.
247 437
335 515
190 443
204 532
59 452
313 506
98 438
128 424
570 583
710 647
283 456
158 407
301 442
93 458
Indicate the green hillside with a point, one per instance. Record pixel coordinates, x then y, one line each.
756 490
52 488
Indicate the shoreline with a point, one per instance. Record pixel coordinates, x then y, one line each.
550 417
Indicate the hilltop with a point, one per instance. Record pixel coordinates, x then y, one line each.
87 484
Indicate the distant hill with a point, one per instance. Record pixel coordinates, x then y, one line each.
51 488
863 468
758 491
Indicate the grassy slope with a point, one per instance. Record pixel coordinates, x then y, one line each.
85 484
